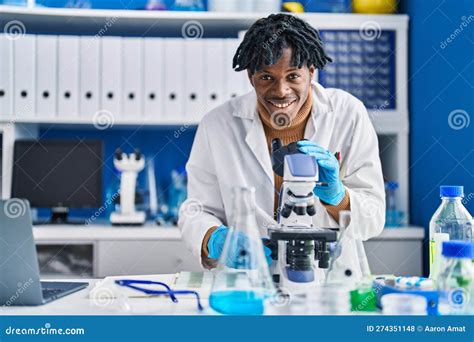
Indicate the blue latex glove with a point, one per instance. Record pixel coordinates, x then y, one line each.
334 193
215 245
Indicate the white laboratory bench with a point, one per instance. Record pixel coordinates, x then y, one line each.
79 303
153 249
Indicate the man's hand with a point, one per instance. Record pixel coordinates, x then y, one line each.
236 257
334 193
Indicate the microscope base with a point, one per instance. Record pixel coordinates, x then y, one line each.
295 288
134 219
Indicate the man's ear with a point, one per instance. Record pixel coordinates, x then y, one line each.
249 74
311 72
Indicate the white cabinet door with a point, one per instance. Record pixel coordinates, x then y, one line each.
144 257
399 257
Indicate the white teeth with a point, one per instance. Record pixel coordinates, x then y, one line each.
282 105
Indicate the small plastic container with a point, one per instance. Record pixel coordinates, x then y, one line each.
329 300
404 304
364 298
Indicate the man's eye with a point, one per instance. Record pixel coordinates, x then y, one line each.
293 76
266 77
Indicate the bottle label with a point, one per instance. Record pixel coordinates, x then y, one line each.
432 253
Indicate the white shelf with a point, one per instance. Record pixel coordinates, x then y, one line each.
47 20
402 233
384 122
71 233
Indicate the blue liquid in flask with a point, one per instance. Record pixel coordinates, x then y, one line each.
237 302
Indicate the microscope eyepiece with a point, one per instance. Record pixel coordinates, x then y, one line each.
138 154
118 154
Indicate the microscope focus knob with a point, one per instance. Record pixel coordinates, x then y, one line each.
324 260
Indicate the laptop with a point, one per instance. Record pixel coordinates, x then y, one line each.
19 271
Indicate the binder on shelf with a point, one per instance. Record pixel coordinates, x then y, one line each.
46 75
153 78
216 66
68 77
6 77
24 61
132 76
89 84
237 81
111 75
174 79
195 80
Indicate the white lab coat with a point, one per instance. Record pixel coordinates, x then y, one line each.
230 149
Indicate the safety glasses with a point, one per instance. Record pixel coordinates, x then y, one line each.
136 285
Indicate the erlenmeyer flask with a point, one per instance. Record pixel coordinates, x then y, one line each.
242 281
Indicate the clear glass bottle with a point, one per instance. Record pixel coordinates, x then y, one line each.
456 279
242 282
451 221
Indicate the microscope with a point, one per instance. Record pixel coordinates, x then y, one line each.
129 166
300 249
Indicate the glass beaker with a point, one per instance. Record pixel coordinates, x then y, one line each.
242 281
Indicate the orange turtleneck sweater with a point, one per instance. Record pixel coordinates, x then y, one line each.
291 132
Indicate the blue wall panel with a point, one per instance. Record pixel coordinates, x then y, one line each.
441 102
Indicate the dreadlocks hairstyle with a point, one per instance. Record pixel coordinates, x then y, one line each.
264 42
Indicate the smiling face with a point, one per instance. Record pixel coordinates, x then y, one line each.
281 87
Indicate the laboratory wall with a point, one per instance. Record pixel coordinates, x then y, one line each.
441 93
168 147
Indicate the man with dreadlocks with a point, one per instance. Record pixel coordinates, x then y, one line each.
280 54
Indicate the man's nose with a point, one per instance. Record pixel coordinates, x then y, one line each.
281 88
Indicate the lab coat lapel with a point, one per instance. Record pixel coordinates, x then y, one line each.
245 107
257 143
316 127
